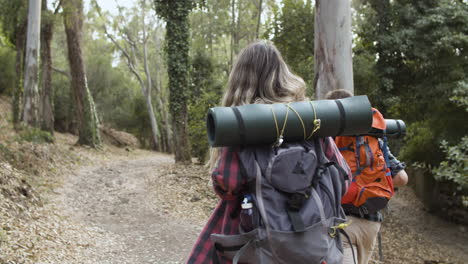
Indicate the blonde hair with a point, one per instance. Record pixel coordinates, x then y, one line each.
260 75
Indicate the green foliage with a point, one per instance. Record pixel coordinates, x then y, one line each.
366 79
13 16
34 135
455 167
293 33
7 69
421 146
177 46
139 123
197 124
460 95
211 29
63 106
421 64
204 94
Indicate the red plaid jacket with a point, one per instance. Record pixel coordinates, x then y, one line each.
229 184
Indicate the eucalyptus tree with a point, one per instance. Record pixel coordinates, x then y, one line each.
333 49
133 33
30 115
83 100
175 13
46 105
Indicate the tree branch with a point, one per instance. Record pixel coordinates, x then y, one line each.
67 74
57 8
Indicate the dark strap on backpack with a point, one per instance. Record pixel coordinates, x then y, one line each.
295 203
342 117
349 242
240 121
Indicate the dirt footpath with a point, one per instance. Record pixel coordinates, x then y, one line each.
145 209
114 202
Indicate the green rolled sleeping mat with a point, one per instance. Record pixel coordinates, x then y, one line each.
261 124
395 128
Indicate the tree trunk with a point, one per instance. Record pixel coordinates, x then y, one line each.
178 45
19 66
333 49
149 81
47 106
233 24
162 102
259 18
83 100
154 124
167 124
31 73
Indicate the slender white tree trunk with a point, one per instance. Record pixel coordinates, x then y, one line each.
31 71
154 125
333 47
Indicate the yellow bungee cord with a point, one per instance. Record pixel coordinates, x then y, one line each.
279 135
317 122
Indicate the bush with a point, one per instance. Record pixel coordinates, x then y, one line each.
34 135
197 124
7 69
139 123
420 144
205 93
455 166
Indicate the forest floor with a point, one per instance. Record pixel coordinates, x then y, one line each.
61 203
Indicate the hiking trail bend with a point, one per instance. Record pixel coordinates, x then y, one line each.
114 200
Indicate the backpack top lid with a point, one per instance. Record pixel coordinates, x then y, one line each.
378 121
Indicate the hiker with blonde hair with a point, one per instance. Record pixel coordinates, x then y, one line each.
259 75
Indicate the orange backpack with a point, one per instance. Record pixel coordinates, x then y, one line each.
372 185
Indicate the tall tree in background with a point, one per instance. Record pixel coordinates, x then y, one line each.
292 31
259 18
136 30
30 115
333 51
211 34
244 23
177 46
46 103
83 101
14 22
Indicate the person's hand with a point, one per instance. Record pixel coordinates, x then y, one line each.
400 179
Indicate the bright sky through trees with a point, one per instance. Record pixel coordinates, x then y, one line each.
111 5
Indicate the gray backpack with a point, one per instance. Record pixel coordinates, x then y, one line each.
296 193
